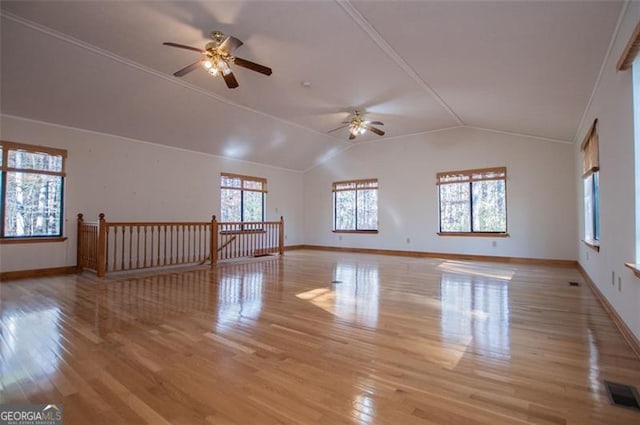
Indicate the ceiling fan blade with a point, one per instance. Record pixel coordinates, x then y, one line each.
231 81
182 46
375 130
187 69
375 122
339 128
230 44
253 66
352 136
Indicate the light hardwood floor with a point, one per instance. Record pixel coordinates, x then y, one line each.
398 341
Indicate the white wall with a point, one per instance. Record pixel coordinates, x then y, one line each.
132 180
540 193
612 104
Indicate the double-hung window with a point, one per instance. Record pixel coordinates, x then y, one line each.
31 191
473 202
355 206
242 198
591 185
630 59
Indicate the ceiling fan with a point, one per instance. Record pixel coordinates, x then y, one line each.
218 58
357 126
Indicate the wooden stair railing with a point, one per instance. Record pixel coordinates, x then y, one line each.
125 246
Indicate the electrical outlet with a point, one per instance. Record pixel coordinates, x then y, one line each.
619 284
408 240
494 244
339 238
613 278
587 255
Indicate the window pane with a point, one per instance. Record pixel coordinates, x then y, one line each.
588 208
228 181
596 205
252 184
34 160
489 206
455 207
33 205
367 209
252 206
345 207
230 205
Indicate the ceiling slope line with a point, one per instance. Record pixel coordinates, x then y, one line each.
95 49
439 130
146 142
401 136
324 160
362 22
614 36
516 134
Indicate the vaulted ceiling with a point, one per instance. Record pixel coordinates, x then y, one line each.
521 67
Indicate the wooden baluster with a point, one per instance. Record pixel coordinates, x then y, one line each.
281 237
194 254
184 238
114 265
164 262
130 247
122 263
106 248
213 244
271 238
158 250
101 266
137 246
275 230
252 241
199 242
81 244
204 243
152 248
173 241
187 254
144 263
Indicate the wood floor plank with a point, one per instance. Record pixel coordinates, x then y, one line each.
399 340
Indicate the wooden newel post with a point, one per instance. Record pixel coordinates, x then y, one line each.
214 241
102 247
281 236
79 243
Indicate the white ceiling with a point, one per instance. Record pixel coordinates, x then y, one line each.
522 67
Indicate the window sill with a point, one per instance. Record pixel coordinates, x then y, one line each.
595 245
31 240
356 231
476 234
635 268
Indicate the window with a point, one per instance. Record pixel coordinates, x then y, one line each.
242 198
31 187
355 206
630 59
473 202
591 185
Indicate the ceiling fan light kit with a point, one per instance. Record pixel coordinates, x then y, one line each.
358 126
218 57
